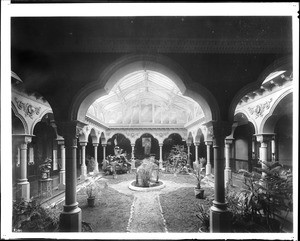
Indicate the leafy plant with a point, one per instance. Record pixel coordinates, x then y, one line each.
92 189
117 163
196 172
31 216
46 166
177 160
262 197
203 215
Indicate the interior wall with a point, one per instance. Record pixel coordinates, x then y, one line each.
284 135
242 146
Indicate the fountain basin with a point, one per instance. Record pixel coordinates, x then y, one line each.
160 185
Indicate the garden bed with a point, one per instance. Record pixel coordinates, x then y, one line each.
180 208
111 212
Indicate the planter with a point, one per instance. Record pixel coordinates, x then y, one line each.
199 193
45 174
91 201
203 230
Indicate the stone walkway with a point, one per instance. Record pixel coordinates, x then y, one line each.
146 212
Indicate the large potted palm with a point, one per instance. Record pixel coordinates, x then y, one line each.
92 190
196 172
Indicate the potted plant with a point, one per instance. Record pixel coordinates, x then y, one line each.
45 168
203 215
92 190
197 173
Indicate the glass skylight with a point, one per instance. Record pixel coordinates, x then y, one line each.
135 99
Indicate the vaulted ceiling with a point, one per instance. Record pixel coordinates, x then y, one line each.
58 56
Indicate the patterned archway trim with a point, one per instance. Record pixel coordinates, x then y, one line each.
29 110
134 133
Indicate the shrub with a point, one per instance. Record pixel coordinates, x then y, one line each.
33 217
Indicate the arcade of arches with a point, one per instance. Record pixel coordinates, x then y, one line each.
145 103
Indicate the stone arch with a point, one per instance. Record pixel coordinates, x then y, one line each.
190 138
154 149
130 63
280 107
198 136
103 138
242 117
22 120
279 64
42 115
94 135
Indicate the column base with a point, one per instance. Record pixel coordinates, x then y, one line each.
70 221
220 218
208 169
23 190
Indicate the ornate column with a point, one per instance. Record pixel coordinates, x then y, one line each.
23 186
62 171
96 168
273 148
253 147
208 164
160 156
104 156
220 218
189 153
132 150
196 152
264 138
70 218
227 171
83 166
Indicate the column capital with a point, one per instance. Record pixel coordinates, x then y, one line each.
216 129
229 141
22 138
60 140
82 143
264 137
197 143
188 144
95 144
104 145
70 129
160 144
208 143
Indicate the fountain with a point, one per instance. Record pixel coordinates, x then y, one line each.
147 176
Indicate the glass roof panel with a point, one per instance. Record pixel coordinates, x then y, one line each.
133 91
273 75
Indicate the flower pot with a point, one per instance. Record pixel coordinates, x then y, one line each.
91 201
45 174
199 193
203 230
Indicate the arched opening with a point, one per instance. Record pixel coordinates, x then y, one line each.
17 129
146 145
138 64
243 136
43 145
121 141
284 140
173 139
